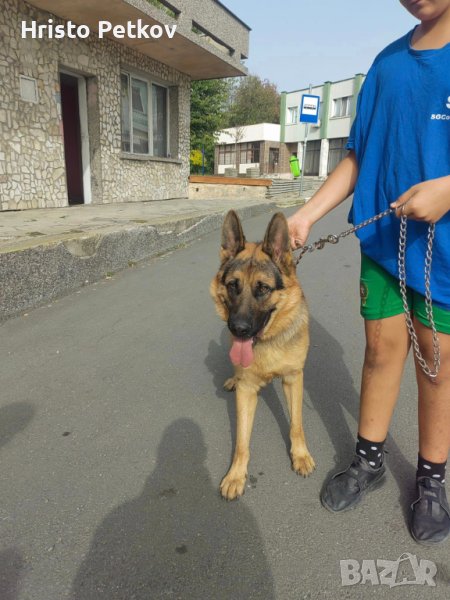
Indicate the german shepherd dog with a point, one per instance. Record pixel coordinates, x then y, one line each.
257 293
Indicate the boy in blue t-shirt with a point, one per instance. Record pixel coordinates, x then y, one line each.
399 150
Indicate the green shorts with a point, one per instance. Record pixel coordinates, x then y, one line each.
381 298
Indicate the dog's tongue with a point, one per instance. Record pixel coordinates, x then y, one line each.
241 352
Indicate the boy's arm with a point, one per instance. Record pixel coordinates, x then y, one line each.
339 185
427 201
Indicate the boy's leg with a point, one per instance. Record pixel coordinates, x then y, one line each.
430 522
387 346
434 398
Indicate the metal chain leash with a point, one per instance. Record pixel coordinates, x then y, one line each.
334 239
428 302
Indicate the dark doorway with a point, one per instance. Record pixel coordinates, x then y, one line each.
274 159
72 138
312 159
337 152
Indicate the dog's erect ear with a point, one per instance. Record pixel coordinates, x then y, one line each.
233 239
276 241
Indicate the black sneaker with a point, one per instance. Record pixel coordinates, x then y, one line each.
430 520
345 489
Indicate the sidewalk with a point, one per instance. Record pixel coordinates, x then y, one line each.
47 253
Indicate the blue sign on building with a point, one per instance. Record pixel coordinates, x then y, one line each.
309 109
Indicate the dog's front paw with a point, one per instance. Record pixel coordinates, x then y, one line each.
303 464
232 486
230 384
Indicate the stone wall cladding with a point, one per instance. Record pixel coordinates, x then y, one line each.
211 16
215 19
32 169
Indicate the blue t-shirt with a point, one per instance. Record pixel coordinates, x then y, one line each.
401 137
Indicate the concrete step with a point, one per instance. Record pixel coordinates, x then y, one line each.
292 187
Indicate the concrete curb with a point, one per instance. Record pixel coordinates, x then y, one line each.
33 276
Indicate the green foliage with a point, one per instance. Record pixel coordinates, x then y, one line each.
208 103
253 100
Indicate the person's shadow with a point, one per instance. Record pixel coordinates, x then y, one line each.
14 418
178 538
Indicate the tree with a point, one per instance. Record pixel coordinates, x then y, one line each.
253 100
208 104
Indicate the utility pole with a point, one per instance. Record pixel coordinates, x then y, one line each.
305 143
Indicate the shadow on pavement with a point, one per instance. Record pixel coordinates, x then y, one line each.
14 418
11 565
333 394
178 538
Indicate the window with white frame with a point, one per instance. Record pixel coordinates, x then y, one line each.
342 106
292 115
144 116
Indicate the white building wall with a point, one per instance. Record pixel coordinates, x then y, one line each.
323 161
242 168
339 127
269 132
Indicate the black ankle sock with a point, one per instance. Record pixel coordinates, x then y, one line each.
425 468
371 451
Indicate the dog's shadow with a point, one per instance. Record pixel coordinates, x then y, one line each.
329 390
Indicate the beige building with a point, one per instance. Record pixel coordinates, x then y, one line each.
90 120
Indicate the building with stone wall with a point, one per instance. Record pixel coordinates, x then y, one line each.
326 141
90 120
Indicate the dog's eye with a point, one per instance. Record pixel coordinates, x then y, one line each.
262 289
233 286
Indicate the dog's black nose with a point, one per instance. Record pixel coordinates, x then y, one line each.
240 328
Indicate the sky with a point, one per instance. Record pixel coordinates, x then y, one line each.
297 42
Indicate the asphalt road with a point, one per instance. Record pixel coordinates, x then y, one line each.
115 434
